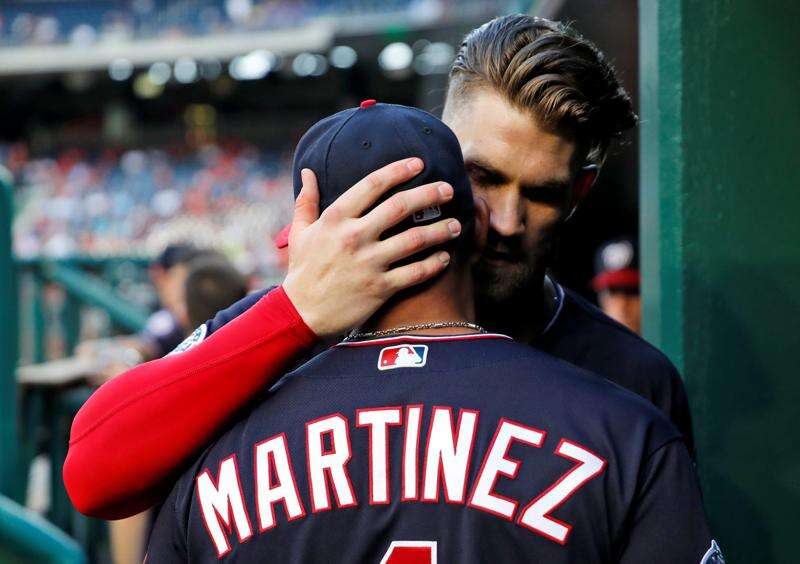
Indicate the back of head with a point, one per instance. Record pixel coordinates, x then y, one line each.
212 284
344 148
548 69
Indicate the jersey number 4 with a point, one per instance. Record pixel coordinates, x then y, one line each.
410 552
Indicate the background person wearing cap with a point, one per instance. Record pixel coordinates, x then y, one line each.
164 329
617 282
344 461
532 142
167 327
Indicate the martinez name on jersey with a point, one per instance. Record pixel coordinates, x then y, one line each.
445 452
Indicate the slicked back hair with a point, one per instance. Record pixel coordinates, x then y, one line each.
547 69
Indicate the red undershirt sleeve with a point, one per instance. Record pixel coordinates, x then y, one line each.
138 431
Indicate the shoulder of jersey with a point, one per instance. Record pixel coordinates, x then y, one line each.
618 339
516 361
574 383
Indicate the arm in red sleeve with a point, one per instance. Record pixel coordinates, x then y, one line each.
136 432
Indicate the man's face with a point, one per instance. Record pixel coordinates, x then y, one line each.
173 292
525 172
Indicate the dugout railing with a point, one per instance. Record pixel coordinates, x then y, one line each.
43 305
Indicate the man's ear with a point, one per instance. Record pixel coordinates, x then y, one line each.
583 183
481 226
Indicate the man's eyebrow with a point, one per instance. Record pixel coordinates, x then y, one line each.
477 165
548 186
551 191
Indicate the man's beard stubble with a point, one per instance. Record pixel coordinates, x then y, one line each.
512 282
499 286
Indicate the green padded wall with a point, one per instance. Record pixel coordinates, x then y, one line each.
11 479
720 222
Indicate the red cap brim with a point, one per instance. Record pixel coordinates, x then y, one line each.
282 238
625 279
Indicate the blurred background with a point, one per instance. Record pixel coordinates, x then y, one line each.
147 144
128 125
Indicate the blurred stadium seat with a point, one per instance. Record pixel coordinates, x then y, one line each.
95 21
104 165
137 201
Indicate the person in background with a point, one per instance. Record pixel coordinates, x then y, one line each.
209 283
617 282
212 283
166 328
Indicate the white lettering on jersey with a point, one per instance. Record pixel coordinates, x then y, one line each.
222 502
272 458
378 420
410 453
535 515
497 463
448 454
332 464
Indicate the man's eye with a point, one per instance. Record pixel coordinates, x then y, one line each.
476 178
548 195
481 179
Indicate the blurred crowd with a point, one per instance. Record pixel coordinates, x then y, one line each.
85 22
233 198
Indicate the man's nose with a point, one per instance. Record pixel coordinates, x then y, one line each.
506 213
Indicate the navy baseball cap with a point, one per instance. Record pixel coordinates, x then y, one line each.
344 148
175 253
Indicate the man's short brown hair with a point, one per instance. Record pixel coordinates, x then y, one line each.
546 68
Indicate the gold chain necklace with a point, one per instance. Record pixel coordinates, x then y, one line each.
418 327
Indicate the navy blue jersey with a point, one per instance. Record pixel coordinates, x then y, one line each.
440 449
584 336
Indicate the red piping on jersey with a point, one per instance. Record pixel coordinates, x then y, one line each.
423 339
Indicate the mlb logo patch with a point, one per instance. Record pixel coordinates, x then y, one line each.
403 356
431 212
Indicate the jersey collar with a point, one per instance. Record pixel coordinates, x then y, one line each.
422 339
559 305
466 337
